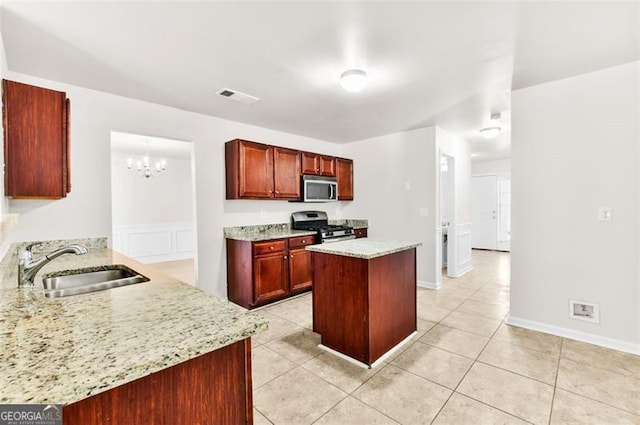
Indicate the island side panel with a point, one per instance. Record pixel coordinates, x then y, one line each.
392 301
214 388
340 303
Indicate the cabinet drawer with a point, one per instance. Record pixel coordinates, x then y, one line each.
260 248
300 241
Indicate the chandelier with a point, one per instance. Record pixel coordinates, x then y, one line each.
143 166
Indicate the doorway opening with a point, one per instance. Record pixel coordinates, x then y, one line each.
153 202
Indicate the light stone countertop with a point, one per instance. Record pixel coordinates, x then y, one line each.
365 248
262 232
66 349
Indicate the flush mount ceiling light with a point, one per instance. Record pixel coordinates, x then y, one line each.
490 132
494 130
353 80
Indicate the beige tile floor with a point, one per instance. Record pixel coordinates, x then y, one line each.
465 366
180 269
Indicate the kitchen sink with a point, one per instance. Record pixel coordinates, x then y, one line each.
91 279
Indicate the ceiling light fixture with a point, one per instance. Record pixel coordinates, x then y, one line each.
353 80
490 132
143 166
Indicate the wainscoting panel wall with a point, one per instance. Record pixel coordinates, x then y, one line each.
153 243
462 256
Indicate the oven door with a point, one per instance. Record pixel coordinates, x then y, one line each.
338 239
319 189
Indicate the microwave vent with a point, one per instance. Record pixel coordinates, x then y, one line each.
247 99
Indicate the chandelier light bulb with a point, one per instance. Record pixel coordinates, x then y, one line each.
353 80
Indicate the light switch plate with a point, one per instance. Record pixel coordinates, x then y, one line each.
605 214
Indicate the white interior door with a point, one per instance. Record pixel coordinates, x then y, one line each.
484 212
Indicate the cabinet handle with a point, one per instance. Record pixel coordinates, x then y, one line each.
285 257
304 241
277 192
271 248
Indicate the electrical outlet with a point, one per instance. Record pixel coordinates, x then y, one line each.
605 214
588 312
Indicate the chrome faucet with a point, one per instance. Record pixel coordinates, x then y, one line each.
28 267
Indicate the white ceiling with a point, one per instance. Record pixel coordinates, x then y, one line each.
430 63
156 147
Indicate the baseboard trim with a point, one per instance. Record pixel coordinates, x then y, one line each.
429 285
615 344
463 271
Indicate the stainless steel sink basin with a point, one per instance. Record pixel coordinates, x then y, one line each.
92 279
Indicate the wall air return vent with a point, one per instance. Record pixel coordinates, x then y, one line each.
247 99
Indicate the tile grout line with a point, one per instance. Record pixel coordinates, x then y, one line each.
555 384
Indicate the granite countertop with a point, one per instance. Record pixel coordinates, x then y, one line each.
263 232
66 349
365 248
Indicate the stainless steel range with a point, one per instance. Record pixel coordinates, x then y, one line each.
319 222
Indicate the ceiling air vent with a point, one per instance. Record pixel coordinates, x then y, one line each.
247 99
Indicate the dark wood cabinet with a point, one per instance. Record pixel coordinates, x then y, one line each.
259 171
36 141
345 179
322 165
360 233
270 271
262 272
300 269
286 173
214 388
373 300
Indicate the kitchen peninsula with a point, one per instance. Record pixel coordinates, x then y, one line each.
364 296
159 352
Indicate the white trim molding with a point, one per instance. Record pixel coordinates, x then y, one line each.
152 243
460 259
429 285
615 344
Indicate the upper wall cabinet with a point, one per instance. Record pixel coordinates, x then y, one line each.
36 141
345 179
322 165
258 171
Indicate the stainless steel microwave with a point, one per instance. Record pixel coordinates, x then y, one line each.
319 189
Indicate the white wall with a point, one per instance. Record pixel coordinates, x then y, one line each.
166 198
491 167
86 212
575 148
396 181
395 177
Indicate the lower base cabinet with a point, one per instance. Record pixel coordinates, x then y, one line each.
214 388
266 271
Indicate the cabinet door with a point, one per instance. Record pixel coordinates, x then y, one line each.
286 173
35 141
360 233
345 179
327 166
270 277
310 163
256 170
300 272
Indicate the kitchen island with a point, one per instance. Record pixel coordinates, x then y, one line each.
364 296
159 352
